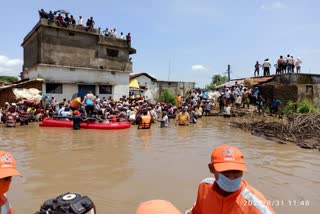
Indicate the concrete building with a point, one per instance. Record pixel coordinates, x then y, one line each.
148 86
152 88
176 87
75 60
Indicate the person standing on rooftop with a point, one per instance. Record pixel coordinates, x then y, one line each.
121 36
72 20
286 61
80 21
266 67
292 64
50 17
67 20
281 66
128 37
256 69
298 64
106 32
114 33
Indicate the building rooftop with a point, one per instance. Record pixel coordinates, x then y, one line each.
80 29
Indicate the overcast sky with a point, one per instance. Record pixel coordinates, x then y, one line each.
193 39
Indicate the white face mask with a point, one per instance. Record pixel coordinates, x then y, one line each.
229 185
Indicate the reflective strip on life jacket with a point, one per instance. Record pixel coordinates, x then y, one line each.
208 180
255 201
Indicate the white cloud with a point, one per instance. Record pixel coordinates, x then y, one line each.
199 68
274 6
10 67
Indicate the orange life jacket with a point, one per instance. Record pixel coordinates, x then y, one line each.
245 200
145 122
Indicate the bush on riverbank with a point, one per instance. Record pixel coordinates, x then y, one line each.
302 107
166 96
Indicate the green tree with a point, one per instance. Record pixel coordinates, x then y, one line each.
8 79
166 96
217 79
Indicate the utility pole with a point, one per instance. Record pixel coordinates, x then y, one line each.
229 71
169 71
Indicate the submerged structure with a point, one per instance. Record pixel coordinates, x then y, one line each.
74 60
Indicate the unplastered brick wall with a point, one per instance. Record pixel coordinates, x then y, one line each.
283 92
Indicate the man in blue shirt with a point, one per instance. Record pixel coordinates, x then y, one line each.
275 105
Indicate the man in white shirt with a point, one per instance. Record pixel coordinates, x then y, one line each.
298 64
80 20
121 36
227 111
106 32
165 120
266 67
114 33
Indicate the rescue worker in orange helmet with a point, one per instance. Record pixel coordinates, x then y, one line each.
228 192
7 170
157 207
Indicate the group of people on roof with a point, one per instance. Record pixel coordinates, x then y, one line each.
284 65
66 21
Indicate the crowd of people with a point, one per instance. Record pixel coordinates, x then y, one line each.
139 111
66 21
22 112
284 65
229 99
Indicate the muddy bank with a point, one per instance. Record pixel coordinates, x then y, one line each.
301 129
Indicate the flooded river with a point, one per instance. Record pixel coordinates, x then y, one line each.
119 169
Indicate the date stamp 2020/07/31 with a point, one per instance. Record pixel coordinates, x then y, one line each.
278 203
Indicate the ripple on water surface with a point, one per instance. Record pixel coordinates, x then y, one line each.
118 169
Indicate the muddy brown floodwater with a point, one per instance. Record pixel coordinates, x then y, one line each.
119 169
